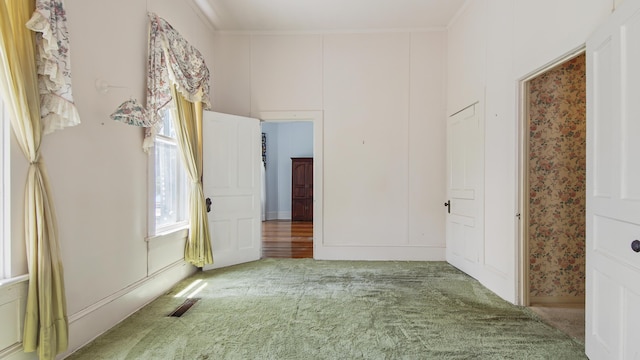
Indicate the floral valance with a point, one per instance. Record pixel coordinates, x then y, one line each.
172 62
49 21
131 112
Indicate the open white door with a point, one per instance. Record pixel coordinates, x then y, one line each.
613 187
465 190
231 180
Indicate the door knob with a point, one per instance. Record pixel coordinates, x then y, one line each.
208 202
448 205
635 245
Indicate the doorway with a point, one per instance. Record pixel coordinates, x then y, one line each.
290 135
554 192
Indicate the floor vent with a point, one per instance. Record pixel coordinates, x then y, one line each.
186 305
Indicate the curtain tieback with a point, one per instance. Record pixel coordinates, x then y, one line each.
36 162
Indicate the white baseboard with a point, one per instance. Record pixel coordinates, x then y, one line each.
272 215
278 215
382 253
17 354
93 321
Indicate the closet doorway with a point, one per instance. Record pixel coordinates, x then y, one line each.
282 235
554 191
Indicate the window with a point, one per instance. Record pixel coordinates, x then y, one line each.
171 198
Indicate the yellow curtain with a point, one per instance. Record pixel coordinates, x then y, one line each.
46 324
188 125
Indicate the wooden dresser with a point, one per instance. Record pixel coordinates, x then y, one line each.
302 189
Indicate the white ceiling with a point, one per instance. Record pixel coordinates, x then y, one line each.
328 15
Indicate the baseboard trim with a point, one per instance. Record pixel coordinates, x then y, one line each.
113 297
17 353
272 215
93 321
278 215
380 253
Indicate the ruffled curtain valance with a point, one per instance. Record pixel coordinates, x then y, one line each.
49 22
35 85
133 113
172 62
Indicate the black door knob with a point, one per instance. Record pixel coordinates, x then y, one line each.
208 203
635 245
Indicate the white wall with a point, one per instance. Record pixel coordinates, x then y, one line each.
382 96
366 130
98 170
563 29
284 141
386 133
426 127
232 74
492 46
294 63
466 57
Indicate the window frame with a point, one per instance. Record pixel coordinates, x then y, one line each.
154 229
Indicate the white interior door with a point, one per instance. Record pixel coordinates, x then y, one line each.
465 190
231 180
613 187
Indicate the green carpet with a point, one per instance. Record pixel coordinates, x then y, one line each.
306 309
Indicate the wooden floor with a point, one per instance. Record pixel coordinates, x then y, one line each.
286 239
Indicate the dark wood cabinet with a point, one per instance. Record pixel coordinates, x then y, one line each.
302 189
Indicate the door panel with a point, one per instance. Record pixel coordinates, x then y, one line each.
613 187
602 66
631 111
231 179
465 178
632 328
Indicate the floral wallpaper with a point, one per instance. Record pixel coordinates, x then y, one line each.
557 166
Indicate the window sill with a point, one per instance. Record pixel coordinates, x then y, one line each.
12 289
14 280
172 234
